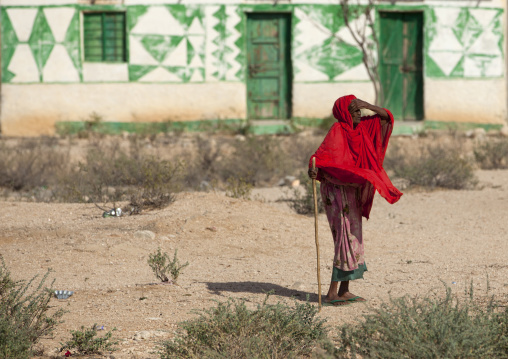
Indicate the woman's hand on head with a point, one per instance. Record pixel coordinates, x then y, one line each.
313 173
358 104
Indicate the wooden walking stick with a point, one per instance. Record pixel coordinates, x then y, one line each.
316 229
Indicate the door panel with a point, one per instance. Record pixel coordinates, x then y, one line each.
267 70
401 65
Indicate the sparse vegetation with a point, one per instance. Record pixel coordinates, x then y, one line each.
25 315
86 341
431 327
29 165
231 330
302 201
434 326
162 266
238 188
110 173
492 154
444 166
147 172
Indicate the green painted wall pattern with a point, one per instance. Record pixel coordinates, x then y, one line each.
166 44
40 45
464 42
198 43
331 55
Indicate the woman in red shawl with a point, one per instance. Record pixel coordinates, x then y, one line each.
349 164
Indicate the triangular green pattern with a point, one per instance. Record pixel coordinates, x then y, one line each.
185 14
7 76
159 45
190 52
432 69
334 57
240 44
71 43
41 41
220 41
458 71
430 27
9 43
497 28
181 72
330 16
466 28
133 14
138 71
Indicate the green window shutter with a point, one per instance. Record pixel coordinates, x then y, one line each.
93 37
114 37
104 37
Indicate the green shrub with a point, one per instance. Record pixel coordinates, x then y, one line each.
84 341
427 328
231 330
24 317
492 154
162 265
303 203
432 166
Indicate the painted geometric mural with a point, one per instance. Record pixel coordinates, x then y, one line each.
465 42
206 43
40 45
166 44
177 43
323 47
225 60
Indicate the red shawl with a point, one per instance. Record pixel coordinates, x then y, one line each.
357 155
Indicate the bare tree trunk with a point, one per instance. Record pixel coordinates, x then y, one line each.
367 45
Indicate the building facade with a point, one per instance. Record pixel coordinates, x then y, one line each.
143 61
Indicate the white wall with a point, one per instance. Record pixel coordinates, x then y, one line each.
476 101
316 100
134 102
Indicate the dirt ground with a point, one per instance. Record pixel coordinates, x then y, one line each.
242 249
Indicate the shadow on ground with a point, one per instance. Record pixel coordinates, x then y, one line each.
219 288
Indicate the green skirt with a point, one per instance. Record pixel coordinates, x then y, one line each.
342 276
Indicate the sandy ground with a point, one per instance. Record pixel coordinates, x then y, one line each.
242 249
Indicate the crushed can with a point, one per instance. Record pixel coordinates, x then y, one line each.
113 213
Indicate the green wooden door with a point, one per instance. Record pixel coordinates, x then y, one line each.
400 70
268 76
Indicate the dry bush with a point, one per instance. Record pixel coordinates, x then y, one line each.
111 173
429 327
25 314
205 163
302 201
492 154
256 160
433 165
31 166
259 160
231 330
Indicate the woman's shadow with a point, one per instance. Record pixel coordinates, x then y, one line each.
219 288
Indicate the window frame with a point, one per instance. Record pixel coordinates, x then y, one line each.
103 33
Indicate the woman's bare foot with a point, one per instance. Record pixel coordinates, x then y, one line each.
351 297
336 300
342 295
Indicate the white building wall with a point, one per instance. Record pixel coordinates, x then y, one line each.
53 83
